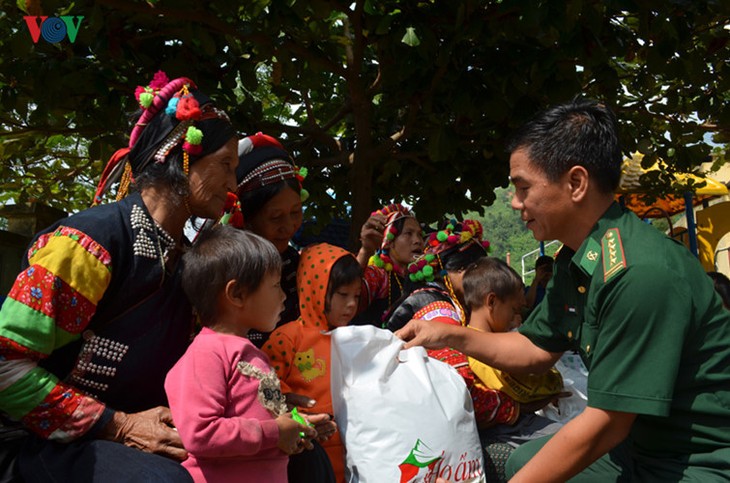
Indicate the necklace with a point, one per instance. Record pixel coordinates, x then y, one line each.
400 287
455 299
165 243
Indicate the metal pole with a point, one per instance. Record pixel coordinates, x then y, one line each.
691 227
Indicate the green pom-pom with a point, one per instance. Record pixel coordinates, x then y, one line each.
413 277
145 99
194 135
428 270
390 236
419 276
304 195
303 172
379 262
441 236
430 257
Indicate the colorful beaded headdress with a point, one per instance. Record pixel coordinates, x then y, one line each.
178 101
454 236
264 161
393 213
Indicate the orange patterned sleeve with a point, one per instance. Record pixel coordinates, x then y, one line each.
281 348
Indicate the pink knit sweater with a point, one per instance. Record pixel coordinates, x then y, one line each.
217 397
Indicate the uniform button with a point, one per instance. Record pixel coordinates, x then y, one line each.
582 289
570 334
588 348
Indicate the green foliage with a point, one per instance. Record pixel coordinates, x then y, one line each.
505 230
381 99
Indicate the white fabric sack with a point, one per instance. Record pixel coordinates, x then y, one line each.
403 416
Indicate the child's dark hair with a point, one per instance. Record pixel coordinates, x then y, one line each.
344 271
223 253
544 260
722 286
489 275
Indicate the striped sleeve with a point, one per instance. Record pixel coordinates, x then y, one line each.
49 305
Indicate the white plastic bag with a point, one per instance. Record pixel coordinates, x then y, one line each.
575 381
404 417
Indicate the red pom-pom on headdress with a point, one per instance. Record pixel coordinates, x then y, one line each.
188 108
232 214
159 80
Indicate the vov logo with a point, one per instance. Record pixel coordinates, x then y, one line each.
53 29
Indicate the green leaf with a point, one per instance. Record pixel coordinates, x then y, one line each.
410 38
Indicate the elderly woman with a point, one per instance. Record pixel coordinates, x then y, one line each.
96 319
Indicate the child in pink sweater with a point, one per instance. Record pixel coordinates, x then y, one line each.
225 398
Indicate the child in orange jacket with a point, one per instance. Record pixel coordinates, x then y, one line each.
329 287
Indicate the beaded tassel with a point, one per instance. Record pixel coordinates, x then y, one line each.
452 294
124 182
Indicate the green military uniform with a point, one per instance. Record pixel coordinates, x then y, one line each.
652 331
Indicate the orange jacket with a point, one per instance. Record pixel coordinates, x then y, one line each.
300 351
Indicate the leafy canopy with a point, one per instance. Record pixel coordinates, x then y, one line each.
381 100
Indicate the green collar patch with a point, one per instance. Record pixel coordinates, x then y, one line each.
590 257
614 260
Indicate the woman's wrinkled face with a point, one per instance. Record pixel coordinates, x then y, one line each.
211 178
408 244
279 218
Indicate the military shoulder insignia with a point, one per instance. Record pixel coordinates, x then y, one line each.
614 260
591 256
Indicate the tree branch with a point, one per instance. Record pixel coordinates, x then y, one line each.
308 107
329 161
417 158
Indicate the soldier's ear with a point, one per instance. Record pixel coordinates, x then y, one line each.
578 180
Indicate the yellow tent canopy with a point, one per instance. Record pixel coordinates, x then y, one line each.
630 189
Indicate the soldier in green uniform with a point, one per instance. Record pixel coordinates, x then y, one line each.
636 305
